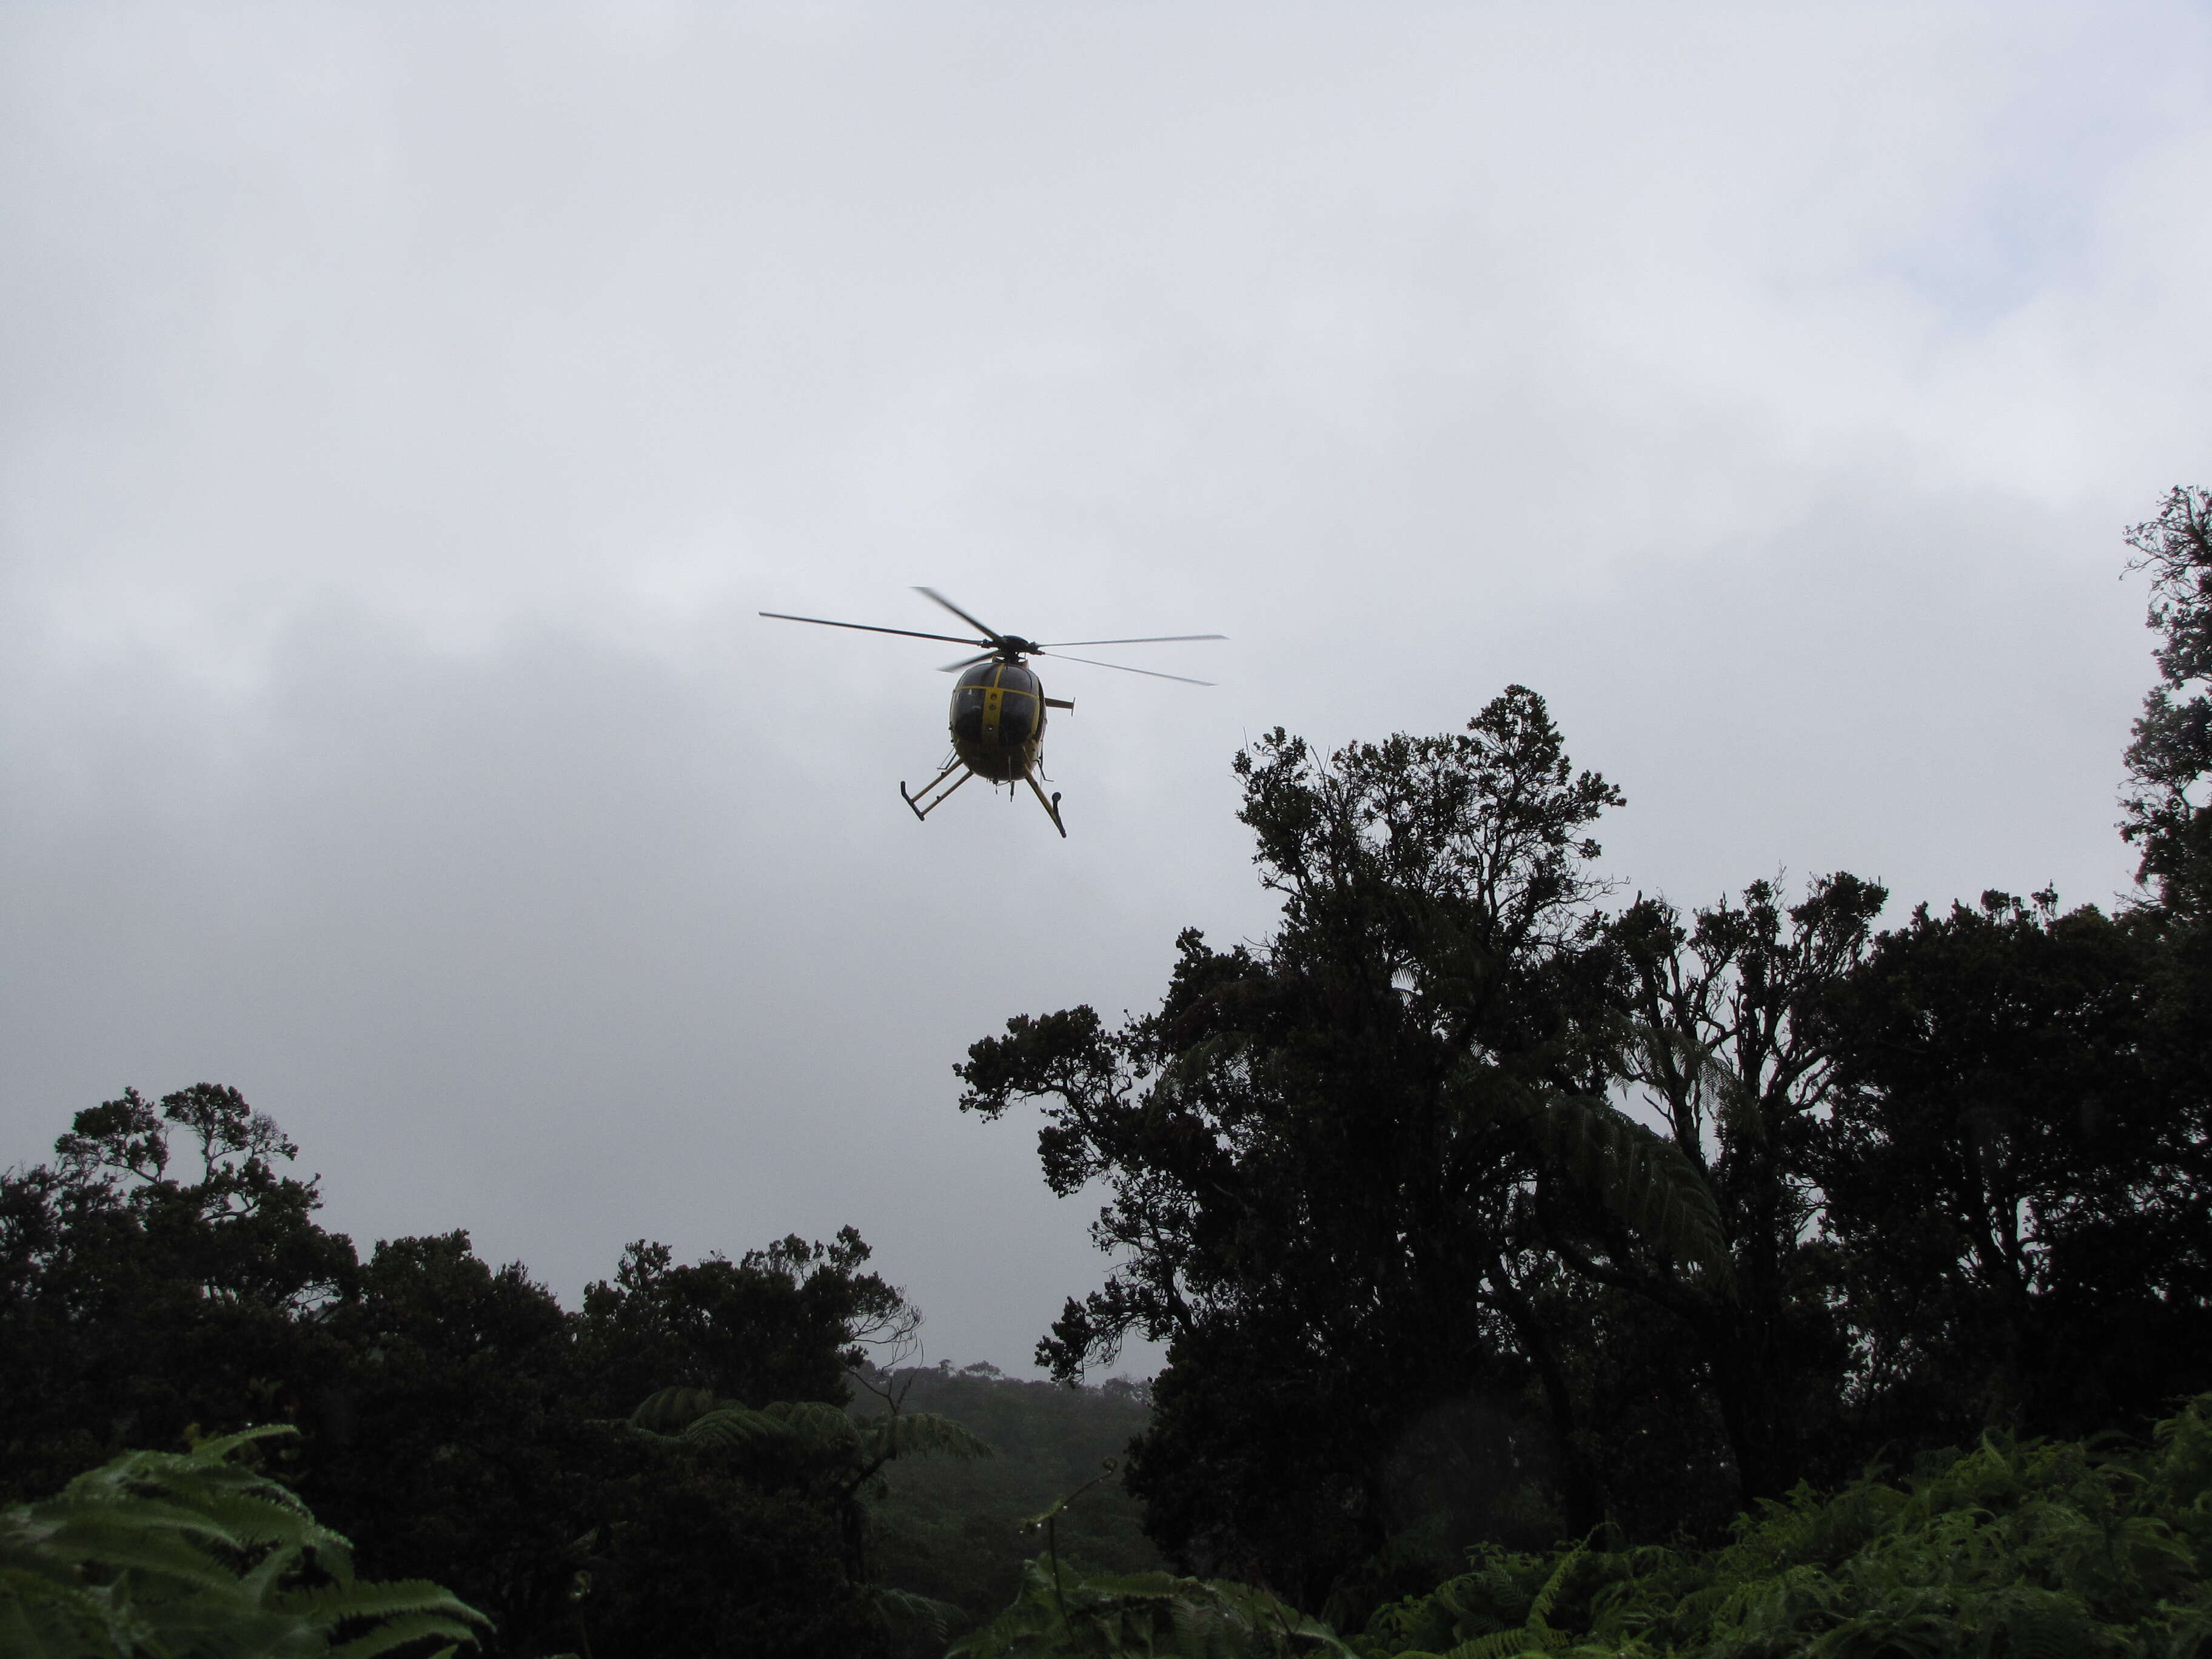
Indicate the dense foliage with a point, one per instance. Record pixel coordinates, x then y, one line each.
952 1529
2016 1547
2031 1548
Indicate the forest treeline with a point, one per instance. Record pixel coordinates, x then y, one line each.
699 1459
1477 1207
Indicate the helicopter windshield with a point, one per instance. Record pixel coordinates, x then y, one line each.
1019 703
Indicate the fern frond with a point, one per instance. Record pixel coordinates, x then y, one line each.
41 1618
739 1429
1641 1177
160 1554
328 1607
216 1454
904 1612
670 1411
405 1631
817 1426
178 1557
1540 1610
909 1434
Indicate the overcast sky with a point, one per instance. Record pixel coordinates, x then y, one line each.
405 409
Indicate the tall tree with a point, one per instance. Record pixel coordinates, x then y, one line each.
450 1444
141 1293
1326 1155
784 1322
1723 1038
2016 1176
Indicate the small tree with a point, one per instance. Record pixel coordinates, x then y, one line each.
2172 752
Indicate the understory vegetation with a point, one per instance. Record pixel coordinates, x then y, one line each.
1829 1288
2029 1548
2044 1550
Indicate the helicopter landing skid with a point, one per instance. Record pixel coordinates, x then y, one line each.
921 804
914 801
1051 807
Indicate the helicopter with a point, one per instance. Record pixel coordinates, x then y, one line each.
999 704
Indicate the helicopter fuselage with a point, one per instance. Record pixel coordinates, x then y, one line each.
998 720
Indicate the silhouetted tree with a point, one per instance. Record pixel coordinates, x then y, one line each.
1327 1155
2172 752
138 1297
162 1274
784 1322
1722 1036
452 1443
2016 1176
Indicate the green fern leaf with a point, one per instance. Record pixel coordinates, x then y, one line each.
909 1434
739 1429
670 1411
1540 1610
158 1554
907 1613
403 1632
818 1427
1644 1179
330 1606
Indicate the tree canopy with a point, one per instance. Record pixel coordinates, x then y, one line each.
165 1277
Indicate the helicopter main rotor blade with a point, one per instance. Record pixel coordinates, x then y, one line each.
870 628
988 632
967 662
1149 639
1126 669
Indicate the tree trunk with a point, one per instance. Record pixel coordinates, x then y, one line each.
1739 1348
1581 1485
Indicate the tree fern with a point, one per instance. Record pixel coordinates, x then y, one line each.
668 1410
1642 1177
810 1428
906 1434
161 1554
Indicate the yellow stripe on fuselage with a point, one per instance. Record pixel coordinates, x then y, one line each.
994 699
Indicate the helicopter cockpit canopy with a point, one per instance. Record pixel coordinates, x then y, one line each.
998 704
